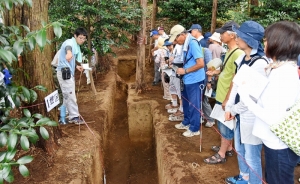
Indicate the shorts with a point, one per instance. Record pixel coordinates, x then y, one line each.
224 130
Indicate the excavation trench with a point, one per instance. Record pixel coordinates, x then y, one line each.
130 153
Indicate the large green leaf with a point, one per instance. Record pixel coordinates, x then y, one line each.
3 40
6 170
41 38
12 141
24 142
26 94
25 160
41 88
3 139
29 2
26 28
43 121
44 133
2 156
37 115
52 123
57 30
10 178
23 170
27 113
8 4
10 155
18 47
4 54
33 95
31 42
6 127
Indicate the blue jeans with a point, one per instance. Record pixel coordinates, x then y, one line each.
224 130
280 165
248 154
191 95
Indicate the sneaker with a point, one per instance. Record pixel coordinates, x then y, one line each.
189 133
181 126
209 124
76 120
236 180
167 98
62 122
176 118
170 106
173 110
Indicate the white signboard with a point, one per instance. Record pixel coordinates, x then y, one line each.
52 100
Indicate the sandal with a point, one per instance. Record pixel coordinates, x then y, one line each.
215 159
217 148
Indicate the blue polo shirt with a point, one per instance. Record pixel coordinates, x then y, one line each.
191 55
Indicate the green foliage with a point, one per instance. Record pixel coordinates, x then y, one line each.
109 21
267 12
19 131
273 11
191 12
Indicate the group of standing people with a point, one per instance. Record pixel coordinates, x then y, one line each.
276 61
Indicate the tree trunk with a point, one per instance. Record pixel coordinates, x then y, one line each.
153 19
37 64
254 2
214 16
140 63
89 58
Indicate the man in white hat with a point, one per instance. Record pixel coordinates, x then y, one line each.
193 78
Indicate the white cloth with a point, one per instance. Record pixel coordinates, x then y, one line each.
54 62
281 93
247 118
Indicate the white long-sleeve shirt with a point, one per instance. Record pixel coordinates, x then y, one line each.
281 93
247 118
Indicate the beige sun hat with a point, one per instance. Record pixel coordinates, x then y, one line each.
215 37
160 42
177 29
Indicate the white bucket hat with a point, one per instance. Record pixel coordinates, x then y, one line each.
215 37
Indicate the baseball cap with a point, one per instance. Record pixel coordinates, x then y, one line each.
195 26
227 27
154 32
176 30
160 28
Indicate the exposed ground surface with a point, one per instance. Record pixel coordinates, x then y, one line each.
79 157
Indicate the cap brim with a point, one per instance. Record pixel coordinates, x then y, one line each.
220 30
246 38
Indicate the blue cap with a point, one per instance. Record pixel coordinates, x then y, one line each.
195 26
251 32
167 43
7 76
154 32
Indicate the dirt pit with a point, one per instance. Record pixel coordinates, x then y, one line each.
131 151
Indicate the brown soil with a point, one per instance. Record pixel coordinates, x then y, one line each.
81 151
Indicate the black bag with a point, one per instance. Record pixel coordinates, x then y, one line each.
166 78
66 73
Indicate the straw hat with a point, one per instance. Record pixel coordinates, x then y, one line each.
160 42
